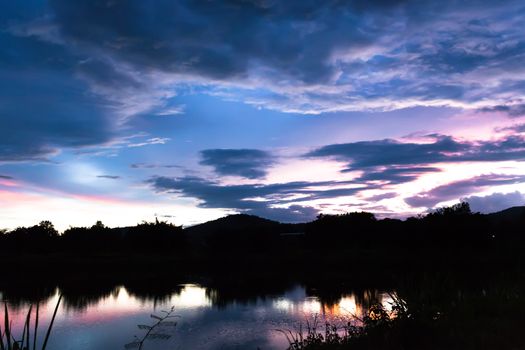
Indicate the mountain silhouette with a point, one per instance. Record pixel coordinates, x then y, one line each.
509 214
249 226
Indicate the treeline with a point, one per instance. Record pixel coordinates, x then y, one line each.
447 232
146 237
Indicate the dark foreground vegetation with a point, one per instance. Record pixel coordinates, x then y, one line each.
451 234
430 318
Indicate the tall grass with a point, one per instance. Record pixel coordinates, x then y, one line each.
25 341
317 335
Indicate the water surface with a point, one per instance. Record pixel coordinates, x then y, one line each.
205 320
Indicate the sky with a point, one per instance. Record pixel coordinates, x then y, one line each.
124 111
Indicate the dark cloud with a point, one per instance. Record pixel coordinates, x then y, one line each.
293 214
111 177
153 166
248 163
215 195
42 107
87 66
386 51
379 197
36 127
390 152
366 154
6 177
514 110
255 198
100 72
517 128
203 38
495 202
395 175
457 189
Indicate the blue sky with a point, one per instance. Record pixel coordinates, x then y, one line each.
191 110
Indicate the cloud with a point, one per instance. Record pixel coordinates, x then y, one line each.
151 141
293 214
110 177
248 163
255 198
380 164
379 197
58 116
153 166
6 177
215 195
59 96
294 56
517 128
43 108
495 202
85 84
396 175
173 110
457 189
126 91
512 110
388 152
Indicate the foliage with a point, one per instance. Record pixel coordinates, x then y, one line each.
155 236
145 237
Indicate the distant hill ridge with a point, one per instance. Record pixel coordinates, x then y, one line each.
232 222
509 214
243 222
238 222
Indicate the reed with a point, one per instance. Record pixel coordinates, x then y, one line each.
8 341
376 323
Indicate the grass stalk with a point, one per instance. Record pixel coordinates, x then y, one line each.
2 346
36 325
7 327
48 333
27 326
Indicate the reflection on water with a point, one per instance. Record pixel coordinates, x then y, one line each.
109 320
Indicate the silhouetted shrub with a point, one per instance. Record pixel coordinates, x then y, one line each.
96 239
155 236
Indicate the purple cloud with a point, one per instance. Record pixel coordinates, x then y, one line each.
517 128
512 110
248 163
379 197
457 189
388 152
495 202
